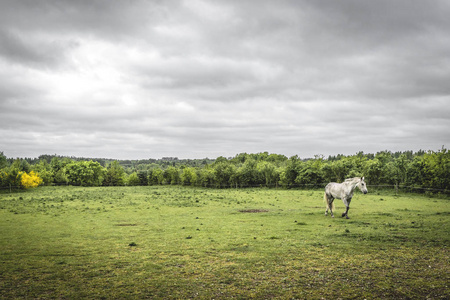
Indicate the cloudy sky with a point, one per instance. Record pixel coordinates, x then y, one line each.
205 78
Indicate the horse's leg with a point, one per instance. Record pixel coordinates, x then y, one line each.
329 201
347 207
330 205
345 214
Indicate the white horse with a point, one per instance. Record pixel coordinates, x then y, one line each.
342 191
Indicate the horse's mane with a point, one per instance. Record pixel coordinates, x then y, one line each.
351 179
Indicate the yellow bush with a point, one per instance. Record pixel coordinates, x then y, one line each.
31 180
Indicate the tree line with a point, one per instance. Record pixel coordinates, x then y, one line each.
422 169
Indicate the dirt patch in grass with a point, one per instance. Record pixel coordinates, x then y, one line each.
125 225
253 210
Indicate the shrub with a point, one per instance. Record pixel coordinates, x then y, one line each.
31 180
133 179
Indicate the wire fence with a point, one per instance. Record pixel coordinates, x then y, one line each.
396 188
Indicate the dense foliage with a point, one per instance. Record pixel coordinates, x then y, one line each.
426 170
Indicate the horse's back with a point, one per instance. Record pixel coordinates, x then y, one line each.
331 185
333 189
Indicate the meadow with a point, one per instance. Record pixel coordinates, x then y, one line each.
185 242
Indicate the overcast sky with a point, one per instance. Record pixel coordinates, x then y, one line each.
195 79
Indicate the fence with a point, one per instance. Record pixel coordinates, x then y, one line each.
396 188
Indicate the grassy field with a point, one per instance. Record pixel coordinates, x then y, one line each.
183 242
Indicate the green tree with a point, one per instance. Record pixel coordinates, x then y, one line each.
11 177
277 159
418 173
3 161
373 170
171 175
247 175
156 176
269 172
22 165
143 177
207 176
336 170
133 179
290 172
221 159
85 173
188 176
223 172
437 169
387 175
240 158
356 165
400 169
310 173
58 169
44 170
115 175
3 175
56 164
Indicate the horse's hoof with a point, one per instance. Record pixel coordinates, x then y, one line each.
332 216
347 217
343 215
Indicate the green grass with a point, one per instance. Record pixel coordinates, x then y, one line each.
183 242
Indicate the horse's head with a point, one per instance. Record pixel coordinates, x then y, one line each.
362 185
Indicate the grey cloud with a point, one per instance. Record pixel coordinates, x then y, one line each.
209 78
187 73
33 52
103 18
